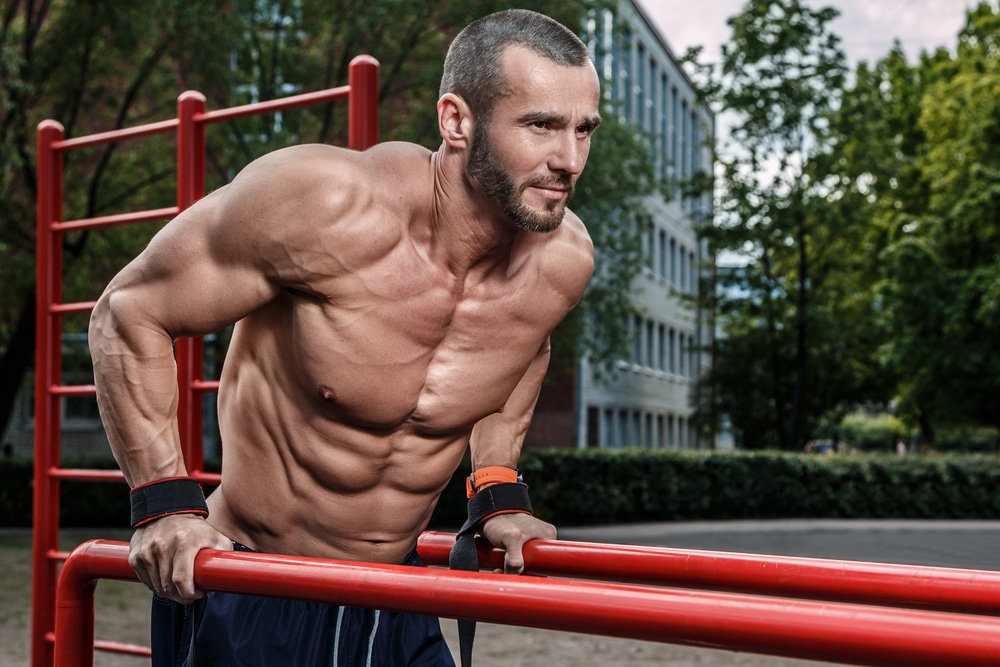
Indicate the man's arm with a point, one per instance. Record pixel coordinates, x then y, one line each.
204 270
496 441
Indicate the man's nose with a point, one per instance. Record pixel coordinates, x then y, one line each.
569 155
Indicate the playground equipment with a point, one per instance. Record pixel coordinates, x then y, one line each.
844 633
855 613
361 94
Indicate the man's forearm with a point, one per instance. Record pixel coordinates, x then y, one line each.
136 378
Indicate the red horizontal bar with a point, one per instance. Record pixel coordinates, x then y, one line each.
205 385
850 634
943 589
67 308
117 219
256 108
126 649
116 135
210 478
87 475
73 390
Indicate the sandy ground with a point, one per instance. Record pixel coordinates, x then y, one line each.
122 613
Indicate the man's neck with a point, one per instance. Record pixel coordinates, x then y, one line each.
469 233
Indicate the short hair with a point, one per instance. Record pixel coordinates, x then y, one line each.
473 69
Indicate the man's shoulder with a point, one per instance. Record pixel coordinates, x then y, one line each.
334 165
565 257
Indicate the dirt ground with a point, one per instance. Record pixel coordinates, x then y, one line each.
122 615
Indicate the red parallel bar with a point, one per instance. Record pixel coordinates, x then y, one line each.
116 135
944 589
280 104
117 219
844 633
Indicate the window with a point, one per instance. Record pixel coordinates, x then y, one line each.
593 427
661 339
650 345
622 429
671 351
674 143
673 262
661 255
637 340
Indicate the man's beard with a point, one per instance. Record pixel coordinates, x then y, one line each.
486 172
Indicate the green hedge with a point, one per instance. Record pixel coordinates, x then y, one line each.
83 504
601 486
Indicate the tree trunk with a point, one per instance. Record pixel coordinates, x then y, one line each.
801 350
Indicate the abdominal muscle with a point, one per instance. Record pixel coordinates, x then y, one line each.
302 478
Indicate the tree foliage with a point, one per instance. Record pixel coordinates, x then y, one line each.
890 228
778 78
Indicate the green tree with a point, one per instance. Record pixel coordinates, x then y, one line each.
943 262
779 78
911 154
92 66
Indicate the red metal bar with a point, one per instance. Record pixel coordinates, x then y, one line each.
67 308
937 588
118 219
48 350
362 110
87 475
190 188
291 102
116 135
74 390
844 633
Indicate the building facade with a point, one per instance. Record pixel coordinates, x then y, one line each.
645 401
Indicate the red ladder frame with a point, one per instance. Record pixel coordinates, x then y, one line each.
362 97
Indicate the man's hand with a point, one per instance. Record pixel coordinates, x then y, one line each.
162 554
510 531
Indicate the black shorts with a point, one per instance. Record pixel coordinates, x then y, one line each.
251 630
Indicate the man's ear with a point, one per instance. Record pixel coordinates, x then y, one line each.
455 121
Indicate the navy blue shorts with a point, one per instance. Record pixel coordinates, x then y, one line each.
256 631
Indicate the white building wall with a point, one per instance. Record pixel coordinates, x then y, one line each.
647 402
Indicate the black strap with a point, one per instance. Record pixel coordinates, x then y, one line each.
174 495
491 500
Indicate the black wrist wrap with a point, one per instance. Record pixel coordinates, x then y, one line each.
497 499
174 495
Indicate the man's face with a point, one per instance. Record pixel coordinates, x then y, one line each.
528 158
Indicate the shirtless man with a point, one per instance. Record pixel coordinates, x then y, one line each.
392 308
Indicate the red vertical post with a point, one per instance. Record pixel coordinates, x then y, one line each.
362 103
48 274
190 188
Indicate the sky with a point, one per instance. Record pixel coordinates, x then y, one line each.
866 27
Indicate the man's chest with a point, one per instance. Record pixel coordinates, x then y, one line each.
418 354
